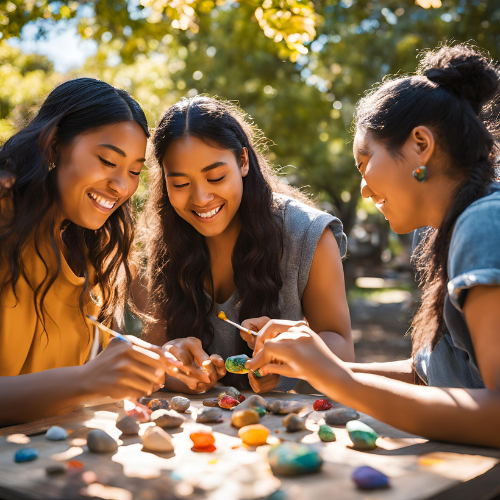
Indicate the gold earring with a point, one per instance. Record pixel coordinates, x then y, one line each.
52 166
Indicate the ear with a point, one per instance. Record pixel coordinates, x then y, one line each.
54 150
423 142
245 167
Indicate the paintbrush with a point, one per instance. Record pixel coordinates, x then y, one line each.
108 330
223 316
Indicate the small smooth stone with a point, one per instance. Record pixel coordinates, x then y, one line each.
120 404
340 416
291 407
159 404
260 411
321 405
206 415
157 440
227 402
128 426
140 413
290 459
369 478
254 401
273 406
254 435
233 392
213 402
241 418
99 441
53 470
326 433
56 433
180 404
202 439
167 418
25 455
236 364
294 423
362 436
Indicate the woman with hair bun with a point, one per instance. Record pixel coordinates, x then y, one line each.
221 233
426 148
66 229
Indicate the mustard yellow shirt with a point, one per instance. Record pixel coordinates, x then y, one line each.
24 345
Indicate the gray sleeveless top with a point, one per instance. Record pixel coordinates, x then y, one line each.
302 228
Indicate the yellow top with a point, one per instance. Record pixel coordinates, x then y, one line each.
24 345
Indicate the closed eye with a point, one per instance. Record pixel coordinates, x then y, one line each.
217 180
181 185
106 162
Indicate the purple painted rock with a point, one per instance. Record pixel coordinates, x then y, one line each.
128 426
99 441
369 478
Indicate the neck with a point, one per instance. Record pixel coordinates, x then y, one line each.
437 200
224 243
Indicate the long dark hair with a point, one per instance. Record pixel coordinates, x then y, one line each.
73 108
452 92
178 260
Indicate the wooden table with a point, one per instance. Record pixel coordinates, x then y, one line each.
418 469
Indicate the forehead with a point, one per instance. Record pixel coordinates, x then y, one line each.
128 136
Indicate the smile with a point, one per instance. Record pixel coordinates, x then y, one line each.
380 205
102 202
208 215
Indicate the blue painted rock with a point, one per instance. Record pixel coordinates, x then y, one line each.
180 404
362 436
56 433
326 433
294 423
289 459
25 455
340 416
99 441
128 426
167 418
369 478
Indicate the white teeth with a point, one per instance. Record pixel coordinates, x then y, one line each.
104 203
209 214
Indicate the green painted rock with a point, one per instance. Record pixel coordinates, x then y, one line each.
261 411
326 433
236 364
362 436
289 459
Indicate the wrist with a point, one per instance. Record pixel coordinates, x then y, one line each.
82 381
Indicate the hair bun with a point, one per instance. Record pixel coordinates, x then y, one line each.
465 71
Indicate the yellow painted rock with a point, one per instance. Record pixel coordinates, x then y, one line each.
241 418
254 435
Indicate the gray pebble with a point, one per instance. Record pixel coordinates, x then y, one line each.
128 426
294 423
167 418
178 403
291 407
99 441
340 416
206 415
56 433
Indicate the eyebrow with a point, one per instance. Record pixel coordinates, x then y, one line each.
203 170
119 151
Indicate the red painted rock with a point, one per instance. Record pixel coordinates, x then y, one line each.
322 404
140 413
241 398
228 402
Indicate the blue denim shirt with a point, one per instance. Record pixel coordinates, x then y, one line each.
474 259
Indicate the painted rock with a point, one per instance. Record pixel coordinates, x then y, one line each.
128 426
321 405
241 398
213 402
289 459
167 418
240 418
227 402
206 415
56 433
340 416
159 404
140 413
99 441
369 478
254 435
326 433
157 440
294 423
236 364
203 441
291 407
362 436
54 470
25 455
260 411
180 404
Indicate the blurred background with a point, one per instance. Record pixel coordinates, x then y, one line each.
297 68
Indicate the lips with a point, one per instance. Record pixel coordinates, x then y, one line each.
209 214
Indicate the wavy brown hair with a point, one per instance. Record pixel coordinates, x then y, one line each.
453 93
177 256
29 186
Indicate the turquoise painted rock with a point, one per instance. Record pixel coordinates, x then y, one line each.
362 436
290 459
369 478
236 364
99 441
25 455
261 411
326 433
56 433
340 416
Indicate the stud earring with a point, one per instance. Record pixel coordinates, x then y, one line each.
52 166
420 173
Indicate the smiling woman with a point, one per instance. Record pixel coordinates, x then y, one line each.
65 237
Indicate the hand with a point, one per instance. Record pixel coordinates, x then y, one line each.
253 324
263 384
203 370
271 329
124 370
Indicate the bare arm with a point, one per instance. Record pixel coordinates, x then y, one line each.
398 370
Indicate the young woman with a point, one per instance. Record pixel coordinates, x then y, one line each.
65 237
222 234
426 155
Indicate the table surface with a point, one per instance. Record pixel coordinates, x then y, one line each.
418 469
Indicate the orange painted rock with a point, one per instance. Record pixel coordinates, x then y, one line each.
254 435
203 442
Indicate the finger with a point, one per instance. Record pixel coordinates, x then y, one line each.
272 329
154 375
248 338
191 382
255 324
181 355
140 384
208 367
277 369
219 365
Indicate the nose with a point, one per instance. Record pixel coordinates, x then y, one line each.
118 183
200 197
366 192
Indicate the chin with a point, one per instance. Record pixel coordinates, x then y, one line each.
401 228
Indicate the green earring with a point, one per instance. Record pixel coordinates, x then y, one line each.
420 173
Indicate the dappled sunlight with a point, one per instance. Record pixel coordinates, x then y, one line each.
105 420
70 453
18 439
